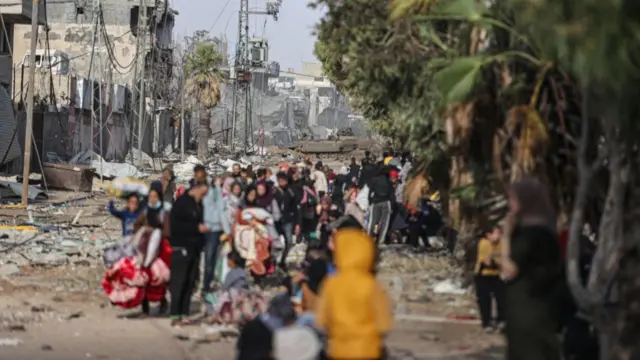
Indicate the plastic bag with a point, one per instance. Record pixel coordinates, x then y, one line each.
363 198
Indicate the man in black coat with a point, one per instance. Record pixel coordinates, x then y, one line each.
187 241
291 219
368 171
354 169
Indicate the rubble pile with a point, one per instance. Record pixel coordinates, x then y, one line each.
73 246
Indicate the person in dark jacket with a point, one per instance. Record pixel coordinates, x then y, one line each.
533 269
296 184
367 172
290 215
354 169
381 198
187 241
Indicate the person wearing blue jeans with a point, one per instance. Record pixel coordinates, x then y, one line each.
215 218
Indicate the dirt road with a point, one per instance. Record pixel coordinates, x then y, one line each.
41 319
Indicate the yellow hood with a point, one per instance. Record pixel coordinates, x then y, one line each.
354 250
352 307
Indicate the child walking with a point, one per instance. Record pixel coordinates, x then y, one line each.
129 215
352 307
489 286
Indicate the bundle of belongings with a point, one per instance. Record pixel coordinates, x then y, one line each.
138 269
250 248
125 186
253 234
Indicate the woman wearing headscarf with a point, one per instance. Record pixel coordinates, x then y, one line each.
168 183
250 199
156 217
533 271
255 245
337 195
142 278
265 197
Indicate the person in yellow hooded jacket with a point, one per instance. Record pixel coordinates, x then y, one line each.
352 308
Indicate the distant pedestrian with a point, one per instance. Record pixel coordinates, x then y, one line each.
319 179
489 286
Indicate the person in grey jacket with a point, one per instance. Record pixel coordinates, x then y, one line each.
216 220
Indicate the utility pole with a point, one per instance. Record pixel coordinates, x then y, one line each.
242 119
139 77
335 109
182 122
96 109
30 104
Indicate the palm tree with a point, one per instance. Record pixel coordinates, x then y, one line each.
203 84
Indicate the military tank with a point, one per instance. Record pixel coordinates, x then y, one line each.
342 146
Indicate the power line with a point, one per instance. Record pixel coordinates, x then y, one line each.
220 15
110 47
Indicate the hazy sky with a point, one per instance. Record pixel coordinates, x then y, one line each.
290 38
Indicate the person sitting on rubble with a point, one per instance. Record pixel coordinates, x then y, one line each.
129 215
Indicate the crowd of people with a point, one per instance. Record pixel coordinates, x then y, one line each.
244 224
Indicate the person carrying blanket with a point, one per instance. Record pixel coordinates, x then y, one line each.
254 232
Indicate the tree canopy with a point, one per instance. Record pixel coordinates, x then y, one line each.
503 89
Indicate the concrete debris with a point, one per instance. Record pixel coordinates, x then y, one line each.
9 269
448 287
134 158
67 247
108 170
184 169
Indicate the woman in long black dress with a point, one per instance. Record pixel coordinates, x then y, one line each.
532 269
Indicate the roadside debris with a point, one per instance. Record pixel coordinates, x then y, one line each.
449 286
108 170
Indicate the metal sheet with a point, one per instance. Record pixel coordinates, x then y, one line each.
9 144
9 188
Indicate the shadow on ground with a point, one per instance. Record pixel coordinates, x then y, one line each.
195 309
492 353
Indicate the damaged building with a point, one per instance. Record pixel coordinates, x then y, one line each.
69 80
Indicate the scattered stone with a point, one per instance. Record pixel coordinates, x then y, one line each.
46 347
418 298
10 342
9 269
75 315
41 308
17 328
52 259
427 336
69 243
181 336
